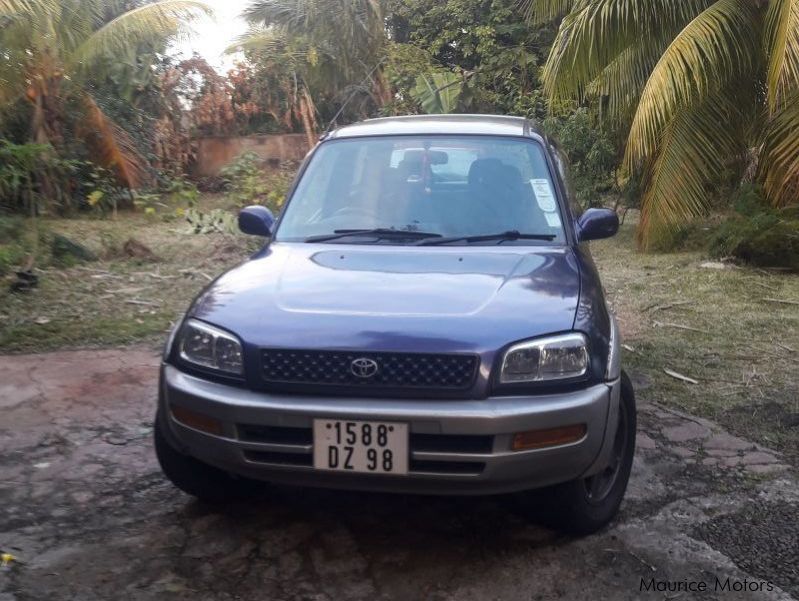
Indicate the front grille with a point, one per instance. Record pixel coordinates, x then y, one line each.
393 370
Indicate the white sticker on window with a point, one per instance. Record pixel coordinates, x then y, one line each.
543 194
553 220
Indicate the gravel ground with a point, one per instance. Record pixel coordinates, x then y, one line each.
87 515
762 538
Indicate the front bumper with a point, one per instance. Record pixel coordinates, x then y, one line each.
456 447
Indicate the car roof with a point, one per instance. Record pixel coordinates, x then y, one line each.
494 125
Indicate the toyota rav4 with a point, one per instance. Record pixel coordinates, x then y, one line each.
425 317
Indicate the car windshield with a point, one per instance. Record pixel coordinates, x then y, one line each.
458 187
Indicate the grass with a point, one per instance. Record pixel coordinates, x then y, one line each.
742 350
118 299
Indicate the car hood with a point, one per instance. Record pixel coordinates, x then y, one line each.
395 298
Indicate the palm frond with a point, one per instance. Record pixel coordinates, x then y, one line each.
714 48
778 168
160 20
537 12
693 150
111 146
271 41
352 31
596 32
619 85
15 7
271 12
782 49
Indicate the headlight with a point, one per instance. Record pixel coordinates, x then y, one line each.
210 347
555 358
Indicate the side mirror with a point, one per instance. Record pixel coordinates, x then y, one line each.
257 221
596 224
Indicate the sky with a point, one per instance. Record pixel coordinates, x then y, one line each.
213 36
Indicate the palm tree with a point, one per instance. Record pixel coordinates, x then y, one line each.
329 49
705 86
51 50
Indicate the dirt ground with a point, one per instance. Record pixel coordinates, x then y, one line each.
87 515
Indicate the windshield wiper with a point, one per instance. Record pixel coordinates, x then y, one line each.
377 232
499 237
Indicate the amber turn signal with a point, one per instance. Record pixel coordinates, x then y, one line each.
538 439
198 421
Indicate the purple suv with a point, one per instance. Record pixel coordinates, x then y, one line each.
425 318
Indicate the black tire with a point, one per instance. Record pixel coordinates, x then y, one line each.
205 482
586 505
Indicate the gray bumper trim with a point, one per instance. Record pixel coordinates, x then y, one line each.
503 470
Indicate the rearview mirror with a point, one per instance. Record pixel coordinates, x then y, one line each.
596 224
256 221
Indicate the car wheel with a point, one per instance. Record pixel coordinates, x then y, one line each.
205 482
585 505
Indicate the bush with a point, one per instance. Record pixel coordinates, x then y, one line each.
591 153
758 234
248 182
14 247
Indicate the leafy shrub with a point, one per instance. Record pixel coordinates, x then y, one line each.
66 253
176 189
12 252
758 234
17 242
217 221
248 182
592 155
101 192
20 168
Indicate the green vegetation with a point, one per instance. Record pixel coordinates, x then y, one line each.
147 271
686 110
59 69
734 330
248 182
768 238
707 89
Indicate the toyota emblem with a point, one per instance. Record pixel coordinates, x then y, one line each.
363 367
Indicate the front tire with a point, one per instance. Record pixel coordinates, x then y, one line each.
205 482
586 505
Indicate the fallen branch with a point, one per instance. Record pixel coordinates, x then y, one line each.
785 347
654 308
679 376
193 272
679 326
649 565
782 301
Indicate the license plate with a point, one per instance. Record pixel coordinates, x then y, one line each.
361 447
